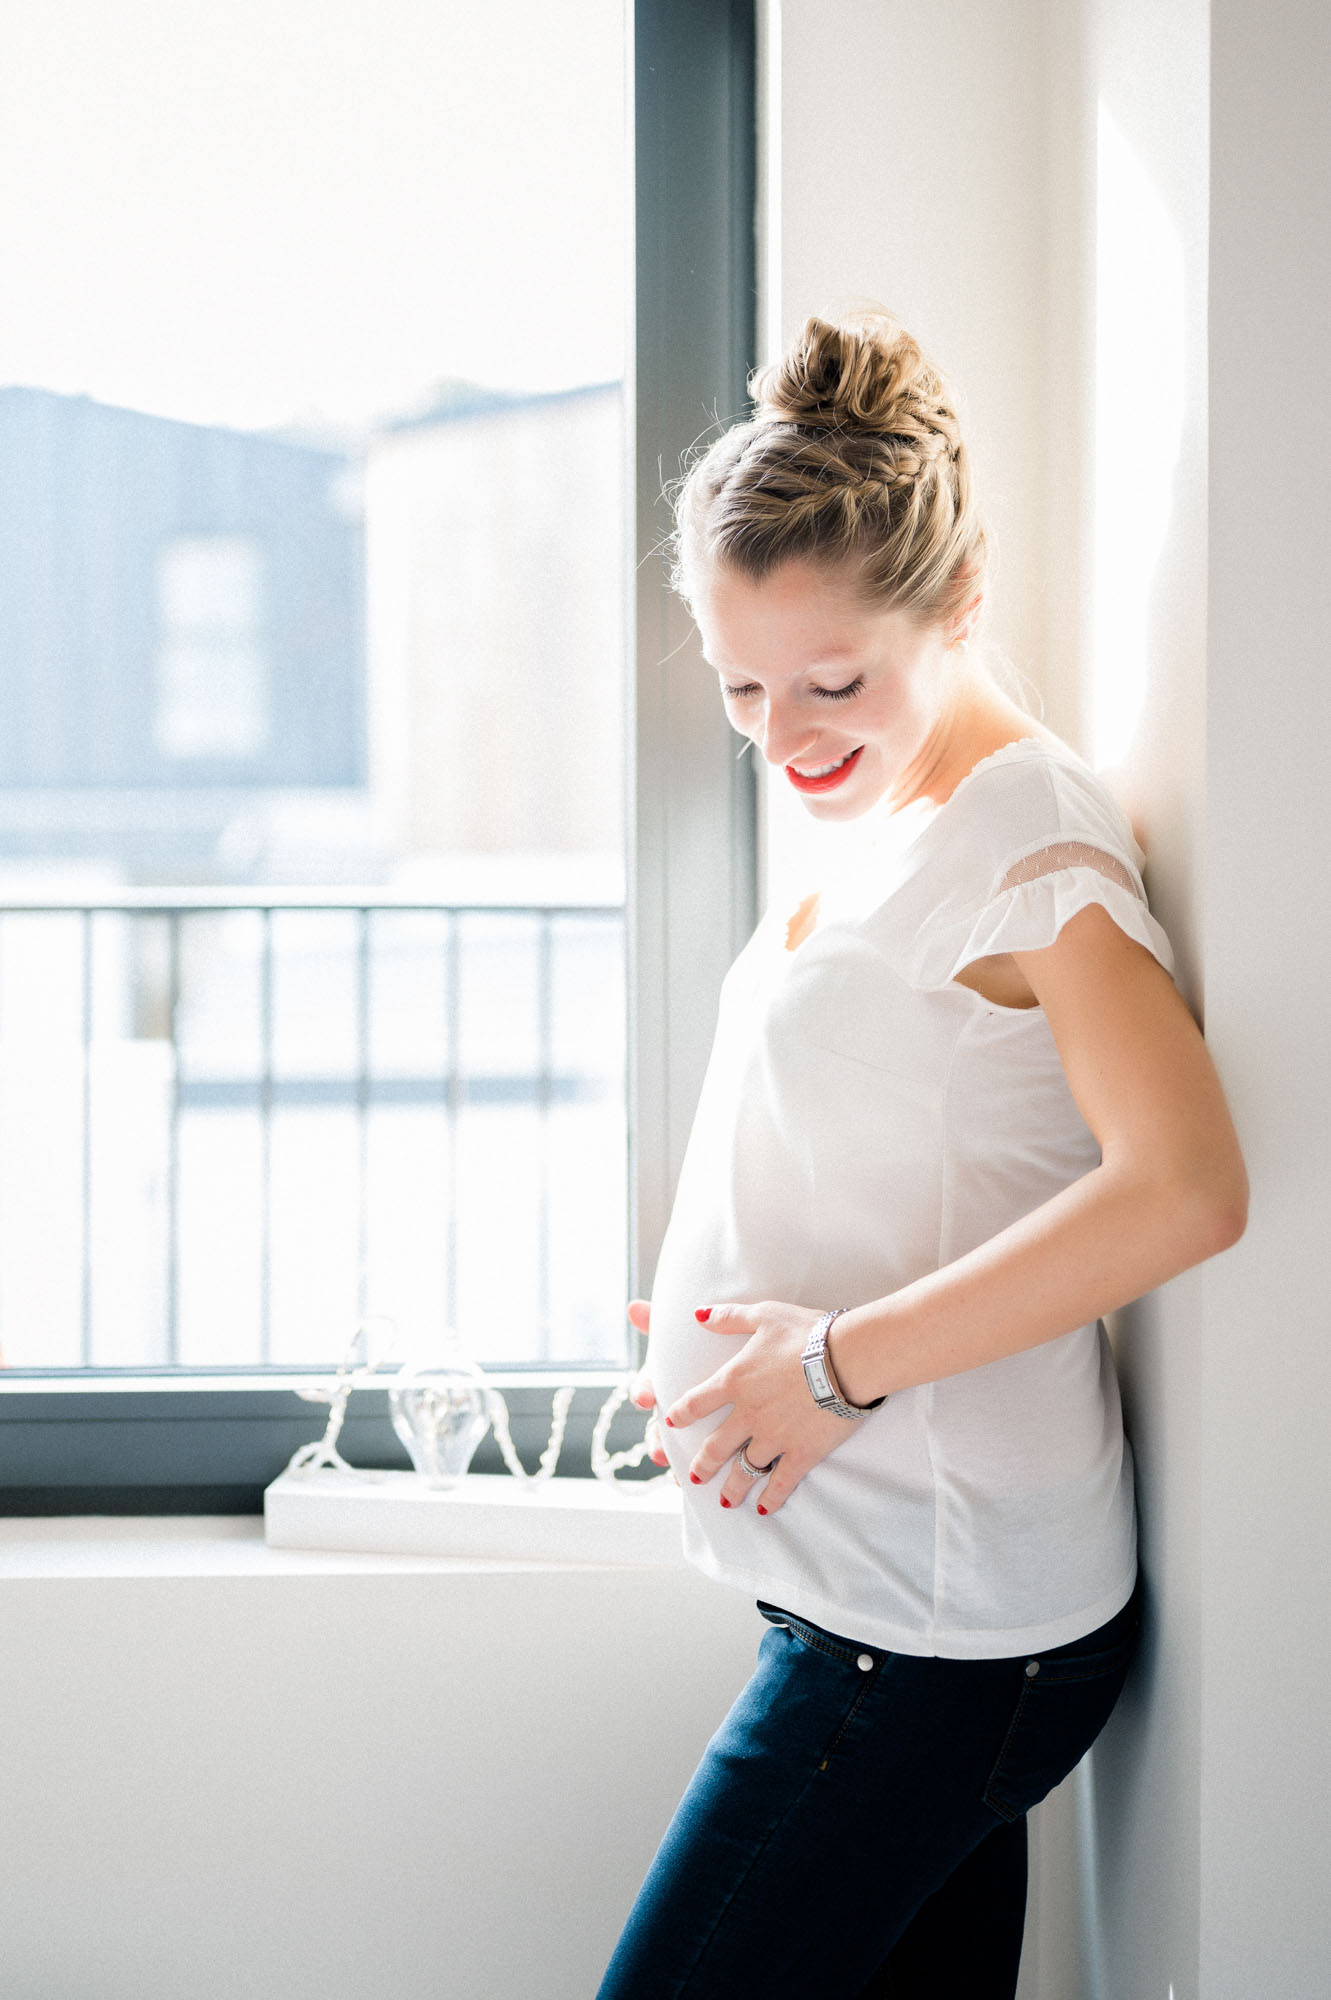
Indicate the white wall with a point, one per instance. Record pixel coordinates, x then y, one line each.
1207 1811
1266 1573
326 1779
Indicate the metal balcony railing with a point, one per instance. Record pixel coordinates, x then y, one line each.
233 1124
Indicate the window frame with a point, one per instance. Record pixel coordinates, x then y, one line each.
209 1441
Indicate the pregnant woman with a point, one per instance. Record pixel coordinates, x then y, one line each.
956 1110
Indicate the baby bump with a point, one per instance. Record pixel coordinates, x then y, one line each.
713 1255
682 1352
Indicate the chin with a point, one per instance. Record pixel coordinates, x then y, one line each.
853 803
836 808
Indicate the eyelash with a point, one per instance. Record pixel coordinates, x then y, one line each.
829 694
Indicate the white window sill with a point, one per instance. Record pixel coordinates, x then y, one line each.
489 1524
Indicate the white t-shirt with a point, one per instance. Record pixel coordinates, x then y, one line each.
863 1121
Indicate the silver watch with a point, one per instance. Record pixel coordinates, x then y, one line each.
817 1365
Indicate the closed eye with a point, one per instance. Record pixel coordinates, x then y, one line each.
751 688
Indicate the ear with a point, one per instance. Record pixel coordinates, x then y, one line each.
960 627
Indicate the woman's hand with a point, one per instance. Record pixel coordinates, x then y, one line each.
641 1392
772 1415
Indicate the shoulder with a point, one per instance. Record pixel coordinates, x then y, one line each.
1028 839
1033 792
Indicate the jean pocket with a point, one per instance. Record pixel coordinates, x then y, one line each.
1062 1703
825 1679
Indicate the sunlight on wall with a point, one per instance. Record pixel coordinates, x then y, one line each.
1139 403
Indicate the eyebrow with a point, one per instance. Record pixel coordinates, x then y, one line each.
829 663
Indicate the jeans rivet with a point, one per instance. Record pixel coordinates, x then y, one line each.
865 1663
1032 1669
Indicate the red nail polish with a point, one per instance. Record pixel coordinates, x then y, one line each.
694 1477
704 1313
724 1501
671 1422
762 1510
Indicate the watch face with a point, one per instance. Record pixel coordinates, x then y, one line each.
816 1376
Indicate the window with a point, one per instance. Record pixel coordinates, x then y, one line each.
212 665
324 781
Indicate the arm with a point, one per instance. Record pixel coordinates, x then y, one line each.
1169 1192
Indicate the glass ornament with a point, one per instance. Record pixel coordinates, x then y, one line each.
440 1410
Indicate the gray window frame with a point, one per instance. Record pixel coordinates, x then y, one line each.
122 1442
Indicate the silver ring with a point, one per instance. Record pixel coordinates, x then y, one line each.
752 1471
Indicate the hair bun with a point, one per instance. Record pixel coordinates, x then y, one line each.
853 455
865 373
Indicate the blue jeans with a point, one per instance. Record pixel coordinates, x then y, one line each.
857 1827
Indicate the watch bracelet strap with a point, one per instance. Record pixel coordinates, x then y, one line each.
817 1345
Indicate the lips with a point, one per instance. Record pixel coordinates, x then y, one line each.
829 780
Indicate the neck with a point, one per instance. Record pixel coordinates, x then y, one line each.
975 720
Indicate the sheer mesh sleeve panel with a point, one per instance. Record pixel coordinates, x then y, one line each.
1034 896
1071 854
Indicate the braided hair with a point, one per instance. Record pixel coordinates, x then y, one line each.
853 456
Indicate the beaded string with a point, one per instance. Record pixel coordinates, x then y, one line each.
549 1459
606 1464
358 1370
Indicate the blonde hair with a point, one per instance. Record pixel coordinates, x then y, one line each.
853 455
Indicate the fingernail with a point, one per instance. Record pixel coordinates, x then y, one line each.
762 1510
671 1422
704 1313
724 1501
694 1477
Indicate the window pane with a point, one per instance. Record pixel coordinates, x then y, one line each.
312 635
212 668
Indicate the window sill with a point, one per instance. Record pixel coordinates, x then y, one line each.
545 1530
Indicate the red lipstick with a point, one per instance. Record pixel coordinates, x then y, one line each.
830 781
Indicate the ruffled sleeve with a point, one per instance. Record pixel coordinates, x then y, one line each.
1026 905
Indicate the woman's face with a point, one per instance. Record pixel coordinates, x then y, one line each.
852 701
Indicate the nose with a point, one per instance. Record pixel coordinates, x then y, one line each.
784 736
